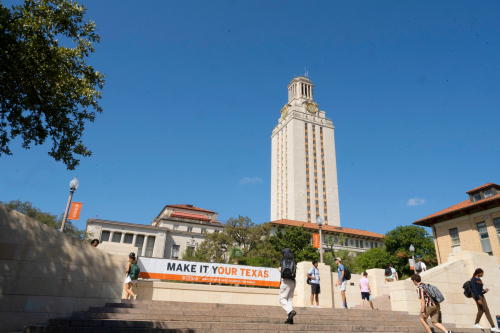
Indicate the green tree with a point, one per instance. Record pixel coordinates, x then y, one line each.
240 232
348 260
47 90
374 258
298 240
49 219
397 244
331 241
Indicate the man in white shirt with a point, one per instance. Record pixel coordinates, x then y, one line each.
313 274
420 267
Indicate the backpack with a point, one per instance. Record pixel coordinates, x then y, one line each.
418 267
468 289
134 271
288 267
388 271
347 274
433 293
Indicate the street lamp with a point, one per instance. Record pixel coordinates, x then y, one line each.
319 221
73 185
412 250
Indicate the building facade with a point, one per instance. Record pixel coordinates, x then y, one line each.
303 163
176 229
355 241
471 225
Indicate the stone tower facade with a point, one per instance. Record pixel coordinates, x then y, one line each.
303 163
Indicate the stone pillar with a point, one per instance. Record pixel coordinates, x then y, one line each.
303 290
123 237
134 239
144 246
111 236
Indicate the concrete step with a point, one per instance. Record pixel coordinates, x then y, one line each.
219 328
382 303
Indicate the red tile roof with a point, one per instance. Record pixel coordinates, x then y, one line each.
463 206
482 187
190 207
190 216
325 227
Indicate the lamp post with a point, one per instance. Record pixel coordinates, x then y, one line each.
412 250
319 221
73 185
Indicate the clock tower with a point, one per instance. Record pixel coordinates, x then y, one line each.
303 163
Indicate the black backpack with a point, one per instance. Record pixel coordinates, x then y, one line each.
347 274
388 271
288 267
468 289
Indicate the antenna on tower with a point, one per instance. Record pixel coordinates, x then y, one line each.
306 74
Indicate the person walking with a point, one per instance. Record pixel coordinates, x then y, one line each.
287 268
132 272
420 266
313 274
390 274
366 291
428 307
342 282
482 306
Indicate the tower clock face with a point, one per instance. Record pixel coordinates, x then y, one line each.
311 108
284 112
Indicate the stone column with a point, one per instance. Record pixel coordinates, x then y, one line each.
134 239
144 245
111 236
123 237
302 296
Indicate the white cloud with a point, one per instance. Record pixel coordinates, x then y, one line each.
248 180
415 202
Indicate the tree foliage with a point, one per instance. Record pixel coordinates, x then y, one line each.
298 240
52 220
348 260
47 90
396 250
238 232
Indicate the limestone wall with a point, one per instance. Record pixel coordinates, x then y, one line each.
47 274
353 293
449 278
204 293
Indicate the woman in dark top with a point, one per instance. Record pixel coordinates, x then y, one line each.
482 306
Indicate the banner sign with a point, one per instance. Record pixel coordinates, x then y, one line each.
179 270
411 264
74 212
316 241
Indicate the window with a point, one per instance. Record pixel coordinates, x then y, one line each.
128 238
357 243
216 231
190 229
105 236
149 246
139 241
488 193
175 251
476 197
346 242
455 239
203 230
176 227
483 236
497 227
117 237
361 244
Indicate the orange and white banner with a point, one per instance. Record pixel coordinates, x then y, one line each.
74 212
166 269
316 241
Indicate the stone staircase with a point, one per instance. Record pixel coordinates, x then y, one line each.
136 316
382 302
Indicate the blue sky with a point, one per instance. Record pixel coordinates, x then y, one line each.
194 89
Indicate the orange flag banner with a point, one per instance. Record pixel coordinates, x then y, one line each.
74 212
316 241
